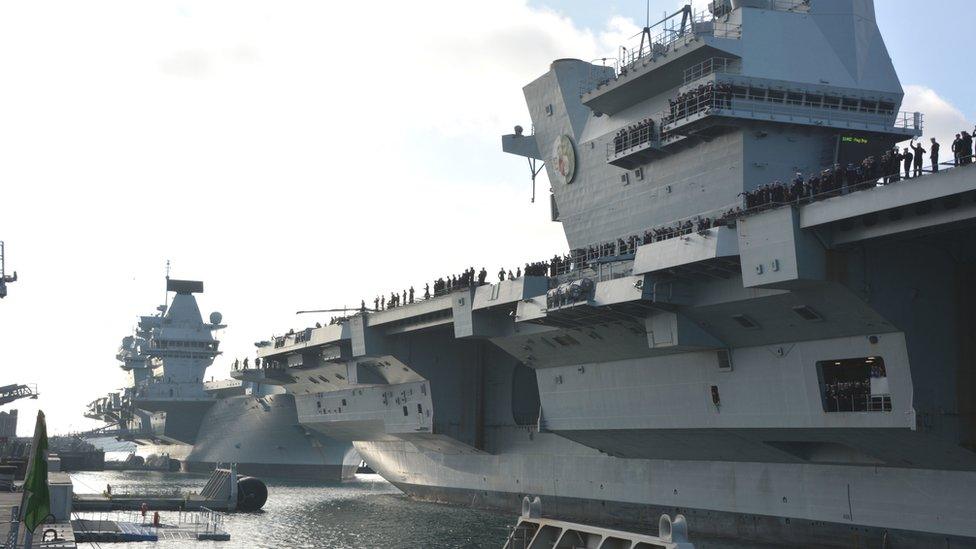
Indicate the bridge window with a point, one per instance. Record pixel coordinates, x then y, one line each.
854 385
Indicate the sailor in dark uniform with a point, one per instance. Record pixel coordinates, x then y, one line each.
918 151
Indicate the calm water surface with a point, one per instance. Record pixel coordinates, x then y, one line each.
365 513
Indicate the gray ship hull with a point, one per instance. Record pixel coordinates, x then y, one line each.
736 500
262 435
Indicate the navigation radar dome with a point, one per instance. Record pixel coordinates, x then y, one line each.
216 317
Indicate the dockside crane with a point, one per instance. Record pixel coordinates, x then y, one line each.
10 393
4 278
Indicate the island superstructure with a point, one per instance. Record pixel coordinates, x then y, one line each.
794 371
168 409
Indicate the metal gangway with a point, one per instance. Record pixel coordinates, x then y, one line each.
535 532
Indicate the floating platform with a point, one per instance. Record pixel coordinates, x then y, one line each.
124 527
224 491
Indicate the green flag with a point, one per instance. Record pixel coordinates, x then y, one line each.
37 498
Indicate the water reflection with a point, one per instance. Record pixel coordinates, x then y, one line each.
365 513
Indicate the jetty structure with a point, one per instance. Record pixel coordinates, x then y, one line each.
225 491
760 323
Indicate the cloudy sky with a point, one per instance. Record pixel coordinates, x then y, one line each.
292 155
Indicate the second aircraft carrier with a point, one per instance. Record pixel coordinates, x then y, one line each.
168 409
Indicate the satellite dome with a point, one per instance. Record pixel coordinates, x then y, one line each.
216 317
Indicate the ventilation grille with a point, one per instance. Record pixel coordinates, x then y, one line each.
566 340
724 360
808 314
745 322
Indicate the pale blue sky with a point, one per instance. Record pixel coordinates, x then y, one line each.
921 37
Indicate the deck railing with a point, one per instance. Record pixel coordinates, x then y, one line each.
729 103
857 403
630 57
630 140
723 65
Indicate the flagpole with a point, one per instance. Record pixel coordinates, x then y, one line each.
28 535
36 499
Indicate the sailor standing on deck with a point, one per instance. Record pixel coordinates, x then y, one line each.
907 156
956 146
934 155
919 151
966 149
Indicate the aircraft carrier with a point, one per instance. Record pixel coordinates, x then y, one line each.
169 411
793 370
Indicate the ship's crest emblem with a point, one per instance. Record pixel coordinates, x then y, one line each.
564 159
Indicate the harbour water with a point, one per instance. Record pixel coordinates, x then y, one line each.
365 513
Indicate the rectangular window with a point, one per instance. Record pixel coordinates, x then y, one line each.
854 385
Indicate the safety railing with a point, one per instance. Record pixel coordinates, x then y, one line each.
857 402
723 65
145 490
861 182
13 531
630 57
727 103
107 521
910 120
635 138
592 256
205 520
600 258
